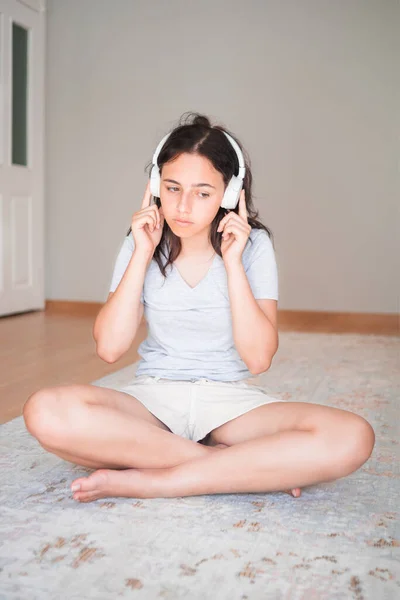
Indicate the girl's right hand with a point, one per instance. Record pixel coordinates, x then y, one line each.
145 232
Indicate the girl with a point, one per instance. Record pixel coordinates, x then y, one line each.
195 420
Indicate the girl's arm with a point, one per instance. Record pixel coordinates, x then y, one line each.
256 339
117 322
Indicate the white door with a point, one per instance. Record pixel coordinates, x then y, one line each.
22 54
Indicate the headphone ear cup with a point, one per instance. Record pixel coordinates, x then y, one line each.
232 193
228 200
155 181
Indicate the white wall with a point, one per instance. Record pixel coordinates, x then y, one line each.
312 90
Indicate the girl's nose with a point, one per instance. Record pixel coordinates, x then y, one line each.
185 201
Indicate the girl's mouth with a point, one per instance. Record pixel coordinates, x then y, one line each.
183 222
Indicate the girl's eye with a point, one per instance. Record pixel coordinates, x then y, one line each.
203 194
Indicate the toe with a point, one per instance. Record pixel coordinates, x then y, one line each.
86 496
96 480
295 492
77 484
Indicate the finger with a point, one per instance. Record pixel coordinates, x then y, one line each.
221 223
228 212
147 196
227 219
162 217
242 206
236 229
150 220
157 214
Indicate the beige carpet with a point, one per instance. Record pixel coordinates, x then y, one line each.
338 540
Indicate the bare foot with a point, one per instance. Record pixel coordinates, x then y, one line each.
105 483
130 483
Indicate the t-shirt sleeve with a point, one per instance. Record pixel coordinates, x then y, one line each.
121 263
262 271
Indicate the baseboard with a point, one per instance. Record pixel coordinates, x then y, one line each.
288 320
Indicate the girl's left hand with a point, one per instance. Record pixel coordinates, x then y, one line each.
235 232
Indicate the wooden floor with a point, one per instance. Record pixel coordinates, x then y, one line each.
56 347
40 350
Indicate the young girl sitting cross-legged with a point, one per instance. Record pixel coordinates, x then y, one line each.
195 419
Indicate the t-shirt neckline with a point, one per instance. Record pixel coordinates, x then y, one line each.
192 289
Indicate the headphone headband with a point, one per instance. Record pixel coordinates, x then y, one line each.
242 168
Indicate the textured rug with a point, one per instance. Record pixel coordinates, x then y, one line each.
338 540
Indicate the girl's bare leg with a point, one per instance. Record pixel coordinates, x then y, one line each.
276 462
103 428
78 460
100 427
96 465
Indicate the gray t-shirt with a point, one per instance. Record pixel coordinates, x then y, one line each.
190 329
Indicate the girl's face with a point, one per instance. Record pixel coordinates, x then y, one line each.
190 190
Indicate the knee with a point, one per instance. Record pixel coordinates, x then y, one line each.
40 416
359 444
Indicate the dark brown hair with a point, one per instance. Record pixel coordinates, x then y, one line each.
194 134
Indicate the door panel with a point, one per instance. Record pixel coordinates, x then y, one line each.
22 54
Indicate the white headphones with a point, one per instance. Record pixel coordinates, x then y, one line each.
232 192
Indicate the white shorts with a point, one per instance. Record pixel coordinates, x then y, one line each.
193 408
